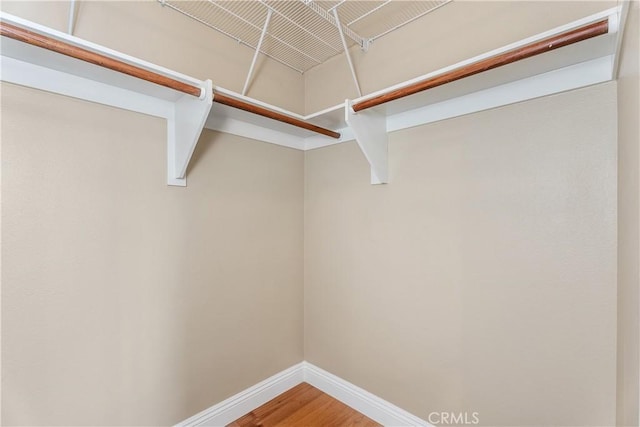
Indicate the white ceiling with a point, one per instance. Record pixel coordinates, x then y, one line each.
303 33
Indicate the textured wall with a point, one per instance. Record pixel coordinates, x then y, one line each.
629 218
128 302
483 277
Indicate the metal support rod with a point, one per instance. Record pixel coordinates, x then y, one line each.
72 16
251 24
329 18
346 50
255 55
336 5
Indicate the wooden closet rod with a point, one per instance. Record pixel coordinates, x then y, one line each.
63 48
76 52
265 112
527 51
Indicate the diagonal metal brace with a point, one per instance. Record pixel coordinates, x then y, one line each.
362 42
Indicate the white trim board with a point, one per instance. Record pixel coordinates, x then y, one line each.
573 77
351 395
372 406
247 400
565 79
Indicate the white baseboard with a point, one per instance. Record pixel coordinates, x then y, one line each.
351 395
372 406
247 400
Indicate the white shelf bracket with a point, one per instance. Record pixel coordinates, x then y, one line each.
370 131
183 130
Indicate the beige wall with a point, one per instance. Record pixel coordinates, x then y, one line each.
458 31
483 277
628 221
163 36
128 302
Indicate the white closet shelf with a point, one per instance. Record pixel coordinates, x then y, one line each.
574 55
40 57
46 59
480 75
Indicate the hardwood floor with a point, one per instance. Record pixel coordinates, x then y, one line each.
304 406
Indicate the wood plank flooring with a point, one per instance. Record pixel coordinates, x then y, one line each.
304 406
